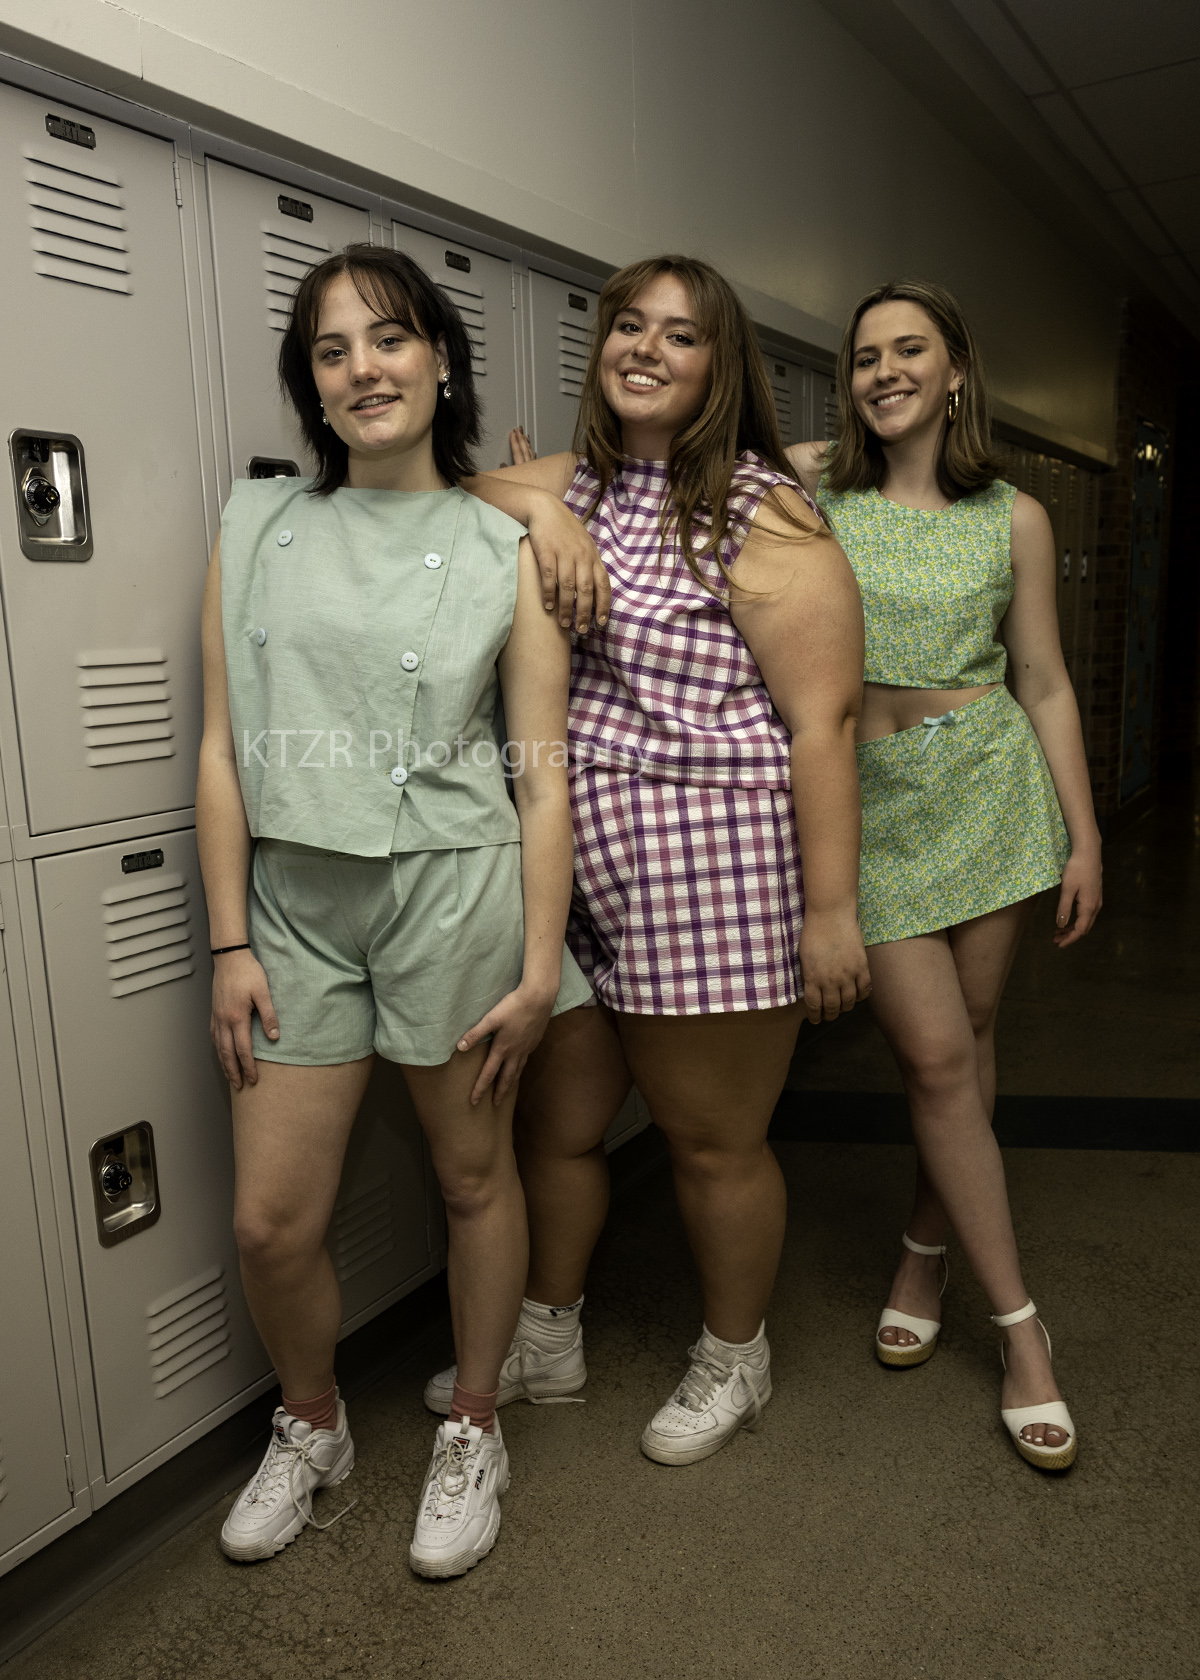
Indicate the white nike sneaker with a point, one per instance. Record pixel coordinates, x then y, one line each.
458 1518
276 1503
531 1370
725 1390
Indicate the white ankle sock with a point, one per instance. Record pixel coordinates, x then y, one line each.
734 1351
551 1327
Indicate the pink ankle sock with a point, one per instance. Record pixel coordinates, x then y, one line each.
320 1412
480 1408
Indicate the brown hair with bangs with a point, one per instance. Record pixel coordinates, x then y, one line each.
738 413
401 291
966 461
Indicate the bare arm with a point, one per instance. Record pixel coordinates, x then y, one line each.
807 460
1030 632
223 841
568 560
804 626
535 669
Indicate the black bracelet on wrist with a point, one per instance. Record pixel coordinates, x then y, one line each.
220 950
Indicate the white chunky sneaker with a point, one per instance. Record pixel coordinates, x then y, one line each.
726 1388
458 1518
544 1363
276 1503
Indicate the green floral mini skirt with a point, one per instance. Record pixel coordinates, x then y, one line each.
960 817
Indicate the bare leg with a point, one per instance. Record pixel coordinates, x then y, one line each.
289 1134
571 1090
919 1002
711 1083
984 950
485 1211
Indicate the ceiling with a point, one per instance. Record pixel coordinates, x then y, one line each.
1118 85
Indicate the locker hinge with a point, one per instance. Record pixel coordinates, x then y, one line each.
512 277
70 1477
178 188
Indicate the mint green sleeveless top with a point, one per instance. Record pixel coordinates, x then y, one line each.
362 631
934 585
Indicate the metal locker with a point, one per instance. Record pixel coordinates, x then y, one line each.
379 1236
34 1488
265 237
789 387
633 1118
481 288
146 1117
562 320
102 539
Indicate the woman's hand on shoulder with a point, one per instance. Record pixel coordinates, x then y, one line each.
517 1025
239 988
573 576
807 462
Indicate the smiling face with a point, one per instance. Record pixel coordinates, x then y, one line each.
655 367
902 372
377 380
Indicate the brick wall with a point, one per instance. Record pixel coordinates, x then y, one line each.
1153 352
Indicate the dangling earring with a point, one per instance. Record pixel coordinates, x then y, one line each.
952 407
446 386
324 416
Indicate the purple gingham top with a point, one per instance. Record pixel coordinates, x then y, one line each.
668 688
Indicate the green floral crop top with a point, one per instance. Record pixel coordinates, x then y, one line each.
935 585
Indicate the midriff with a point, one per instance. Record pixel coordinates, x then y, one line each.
886 708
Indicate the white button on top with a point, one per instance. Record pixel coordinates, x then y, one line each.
399 776
284 538
260 636
433 561
409 660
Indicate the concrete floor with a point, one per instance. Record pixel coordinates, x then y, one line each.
878 1523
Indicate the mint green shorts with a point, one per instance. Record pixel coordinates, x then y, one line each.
400 955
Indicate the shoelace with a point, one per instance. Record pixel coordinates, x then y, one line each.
449 1476
543 1399
283 1461
705 1376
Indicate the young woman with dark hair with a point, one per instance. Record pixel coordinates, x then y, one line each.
712 748
965 788
366 870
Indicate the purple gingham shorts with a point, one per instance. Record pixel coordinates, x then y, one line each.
688 900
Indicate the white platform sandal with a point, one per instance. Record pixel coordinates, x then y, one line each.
1053 1412
926 1328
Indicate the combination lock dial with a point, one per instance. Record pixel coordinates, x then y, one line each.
40 496
115 1179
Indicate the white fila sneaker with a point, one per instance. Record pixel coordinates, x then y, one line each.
276 1503
725 1390
458 1518
544 1362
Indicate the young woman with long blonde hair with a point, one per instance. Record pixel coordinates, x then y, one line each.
974 799
712 750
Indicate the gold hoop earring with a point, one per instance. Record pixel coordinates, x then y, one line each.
952 408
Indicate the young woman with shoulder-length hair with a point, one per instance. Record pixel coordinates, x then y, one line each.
712 748
372 890
964 791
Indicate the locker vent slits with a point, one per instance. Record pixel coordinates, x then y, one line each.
77 220
289 251
831 412
187 1330
783 408
362 1230
124 699
147 933
574 343
467 298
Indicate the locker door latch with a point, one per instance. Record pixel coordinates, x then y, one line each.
124 1183
52 498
